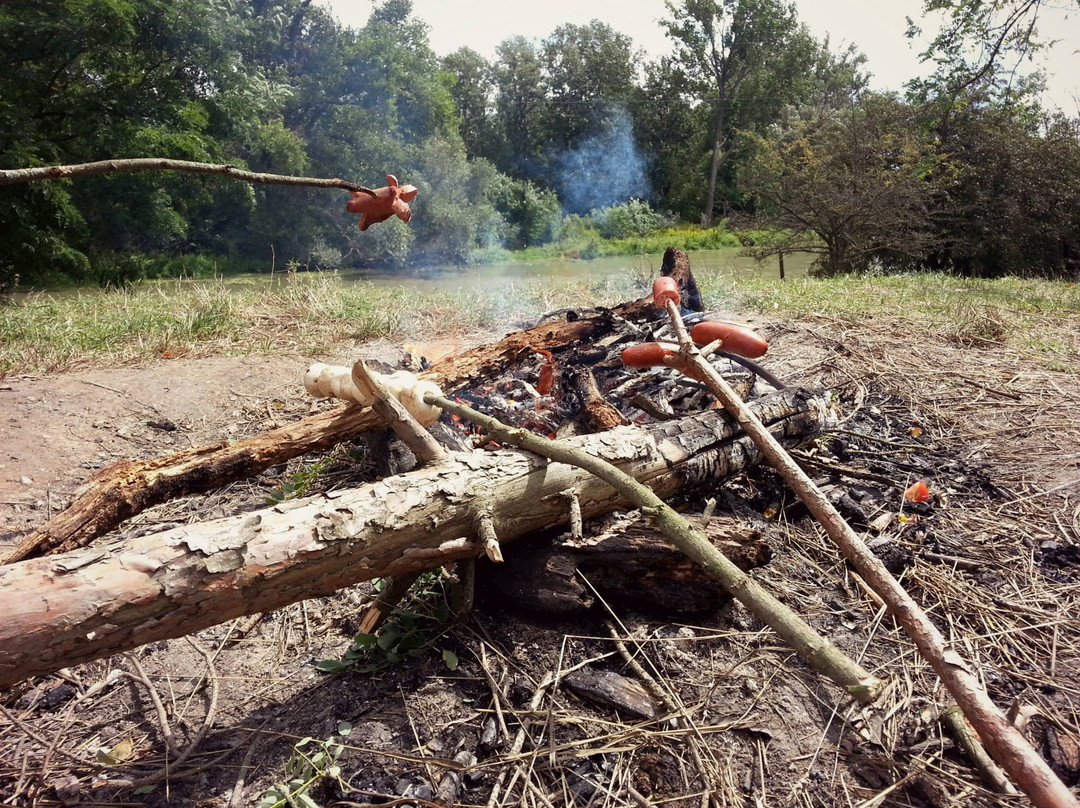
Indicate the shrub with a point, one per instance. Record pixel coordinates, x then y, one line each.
633 218
531 214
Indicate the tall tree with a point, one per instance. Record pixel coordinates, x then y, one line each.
590 75
521 103
669 131
723 46
473 93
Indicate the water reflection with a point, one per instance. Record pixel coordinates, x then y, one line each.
596 271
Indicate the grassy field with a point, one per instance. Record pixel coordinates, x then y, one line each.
1039 316
44 333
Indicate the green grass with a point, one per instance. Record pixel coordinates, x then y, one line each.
590 244
309 314
51 332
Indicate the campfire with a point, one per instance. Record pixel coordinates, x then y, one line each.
571 437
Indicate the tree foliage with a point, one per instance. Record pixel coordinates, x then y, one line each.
743 59
850 185
747 114
1014 204
980 43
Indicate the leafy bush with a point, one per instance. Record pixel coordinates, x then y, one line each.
574 229
633 218
531 214
453 217
389 243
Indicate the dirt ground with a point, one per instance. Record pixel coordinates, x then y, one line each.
482 714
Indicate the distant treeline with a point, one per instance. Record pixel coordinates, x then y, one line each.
748 118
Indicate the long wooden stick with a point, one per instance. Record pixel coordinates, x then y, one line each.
14 176
1002 739
819 653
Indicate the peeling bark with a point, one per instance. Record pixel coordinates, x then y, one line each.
129 487
66 609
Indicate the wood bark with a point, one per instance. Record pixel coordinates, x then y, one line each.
129 487
65 609
600 414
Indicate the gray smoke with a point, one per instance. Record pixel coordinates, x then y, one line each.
605 169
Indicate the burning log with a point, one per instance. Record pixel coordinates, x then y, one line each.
599 413
65 609
129 487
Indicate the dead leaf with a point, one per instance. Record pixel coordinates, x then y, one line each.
118 754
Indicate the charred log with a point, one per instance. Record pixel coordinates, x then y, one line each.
66 609
129 487
628 563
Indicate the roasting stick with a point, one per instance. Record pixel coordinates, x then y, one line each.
427 451
816 651
1004 741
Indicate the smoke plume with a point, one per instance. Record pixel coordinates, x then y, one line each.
605 169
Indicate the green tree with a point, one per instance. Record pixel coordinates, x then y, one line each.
589 72
980 43
453 213
730 46
90 79
670 131
473 92
521 104
531 214
851 186
1014 205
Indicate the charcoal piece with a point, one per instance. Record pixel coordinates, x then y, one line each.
625 696
628 563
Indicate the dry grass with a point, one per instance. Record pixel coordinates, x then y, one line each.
50 333
744 721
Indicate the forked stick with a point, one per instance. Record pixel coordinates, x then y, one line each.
1002 739
819 653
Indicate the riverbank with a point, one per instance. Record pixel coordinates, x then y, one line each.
307 313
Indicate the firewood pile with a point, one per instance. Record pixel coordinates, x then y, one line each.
571 437
587 388
562 378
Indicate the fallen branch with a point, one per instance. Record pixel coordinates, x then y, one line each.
14 176
1001 738
815 650
129 487
65 609
964 735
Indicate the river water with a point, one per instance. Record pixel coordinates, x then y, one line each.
594 272
507 276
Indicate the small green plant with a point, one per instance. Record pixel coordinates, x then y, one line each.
311 762
299 483
406 634
633 218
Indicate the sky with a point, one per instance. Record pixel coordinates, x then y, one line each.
875 27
